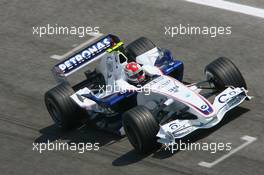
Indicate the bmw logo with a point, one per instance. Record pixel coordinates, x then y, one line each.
204 106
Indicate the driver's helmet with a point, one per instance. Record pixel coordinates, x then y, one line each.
134 73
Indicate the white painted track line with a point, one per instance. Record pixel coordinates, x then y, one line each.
248 140
94 37
231 6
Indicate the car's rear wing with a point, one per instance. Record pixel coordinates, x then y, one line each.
84 56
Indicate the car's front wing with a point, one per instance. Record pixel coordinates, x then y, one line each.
224 102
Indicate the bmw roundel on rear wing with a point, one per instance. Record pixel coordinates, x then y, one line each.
84 56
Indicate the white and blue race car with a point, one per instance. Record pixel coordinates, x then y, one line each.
161 110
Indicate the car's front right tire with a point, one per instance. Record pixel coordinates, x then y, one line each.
141 128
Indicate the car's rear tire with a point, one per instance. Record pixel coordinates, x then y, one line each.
223 72
138 47
63 110
141 129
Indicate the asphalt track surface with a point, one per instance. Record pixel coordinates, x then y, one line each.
25 76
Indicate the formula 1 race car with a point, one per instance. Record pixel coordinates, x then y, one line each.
161 109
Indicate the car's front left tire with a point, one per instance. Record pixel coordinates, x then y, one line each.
222 72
